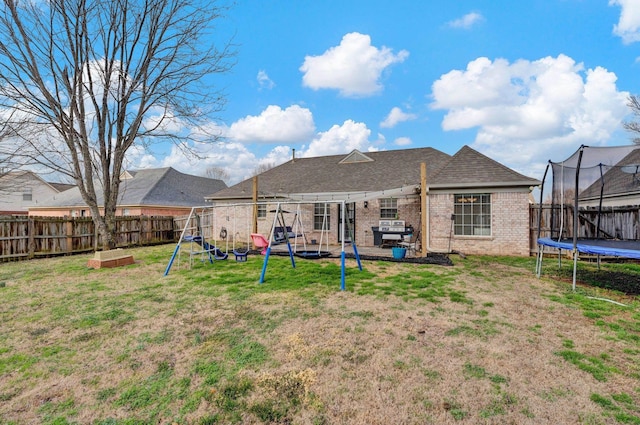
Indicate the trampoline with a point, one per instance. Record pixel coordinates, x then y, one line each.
586 209
612 248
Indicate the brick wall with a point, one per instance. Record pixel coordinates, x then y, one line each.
509 223
509 226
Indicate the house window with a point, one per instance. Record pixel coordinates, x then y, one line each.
388 208
321 217
472 214
262 211
27 194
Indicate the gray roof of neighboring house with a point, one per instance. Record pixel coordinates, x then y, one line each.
156 186
21 176
61 187
377 171
617 181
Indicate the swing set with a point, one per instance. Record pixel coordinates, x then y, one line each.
198 237
201 228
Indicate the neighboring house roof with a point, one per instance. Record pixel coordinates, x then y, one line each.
61 187
378 171
156 186
621 180
19 177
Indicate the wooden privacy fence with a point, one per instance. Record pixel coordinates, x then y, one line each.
615 222
31 237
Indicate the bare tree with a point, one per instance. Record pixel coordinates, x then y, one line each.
9 152
219 173
261 168
634 126
94 78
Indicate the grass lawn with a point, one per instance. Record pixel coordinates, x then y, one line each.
482 342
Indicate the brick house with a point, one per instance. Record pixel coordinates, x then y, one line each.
155 191
474 204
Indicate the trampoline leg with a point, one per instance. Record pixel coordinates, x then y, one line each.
264 265
575 268
539 260
342 272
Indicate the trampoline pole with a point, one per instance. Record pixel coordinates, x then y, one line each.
342 271
264 265
575 268
539 260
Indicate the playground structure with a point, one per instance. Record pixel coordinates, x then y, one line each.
580 188
206 235
210 232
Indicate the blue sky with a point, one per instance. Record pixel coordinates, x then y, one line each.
521 82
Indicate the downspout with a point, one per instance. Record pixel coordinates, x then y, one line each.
426 225
424 207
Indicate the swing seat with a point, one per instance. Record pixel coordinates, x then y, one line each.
241 256
280 234
260 242
312 255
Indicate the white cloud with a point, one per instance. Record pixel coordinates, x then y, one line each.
163 121
402 141
276 156
396 116
526 111
264 82
354 67
234 158
467 21
274 125
341 139
628 27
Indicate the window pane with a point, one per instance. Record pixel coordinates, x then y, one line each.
321 217
472 214
388 208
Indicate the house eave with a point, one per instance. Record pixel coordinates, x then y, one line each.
515 185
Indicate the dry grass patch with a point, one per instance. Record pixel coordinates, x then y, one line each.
481 342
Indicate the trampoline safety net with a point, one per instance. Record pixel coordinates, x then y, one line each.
592 195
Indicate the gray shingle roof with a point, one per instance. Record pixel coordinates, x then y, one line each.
156 186
469 168
388 170
61 187
616 180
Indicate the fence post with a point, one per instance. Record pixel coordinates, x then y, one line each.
31 242
69 227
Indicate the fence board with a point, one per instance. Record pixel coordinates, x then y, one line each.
615 222
30 237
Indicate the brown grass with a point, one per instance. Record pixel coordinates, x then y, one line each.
345 358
